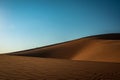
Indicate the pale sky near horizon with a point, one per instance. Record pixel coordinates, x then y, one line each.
26 24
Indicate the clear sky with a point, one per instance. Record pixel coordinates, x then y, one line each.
26 24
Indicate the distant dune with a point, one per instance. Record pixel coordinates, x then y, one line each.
105 47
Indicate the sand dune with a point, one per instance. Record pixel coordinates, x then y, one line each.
32 68
89 58
104 47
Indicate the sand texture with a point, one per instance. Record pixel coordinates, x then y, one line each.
30 68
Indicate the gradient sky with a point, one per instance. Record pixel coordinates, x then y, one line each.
26 24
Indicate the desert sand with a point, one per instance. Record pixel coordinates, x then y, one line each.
89 58
31 68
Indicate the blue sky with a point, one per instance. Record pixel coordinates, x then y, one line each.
26 24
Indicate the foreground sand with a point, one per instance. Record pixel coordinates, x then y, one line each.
31 68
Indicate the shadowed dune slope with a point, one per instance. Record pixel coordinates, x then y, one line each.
32 68
104 47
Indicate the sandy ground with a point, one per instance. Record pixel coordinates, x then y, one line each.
31 68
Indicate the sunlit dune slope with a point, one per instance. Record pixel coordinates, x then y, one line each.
104 47
33 68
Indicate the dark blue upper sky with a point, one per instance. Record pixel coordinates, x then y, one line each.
26 24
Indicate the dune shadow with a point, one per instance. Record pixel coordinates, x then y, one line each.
115 36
